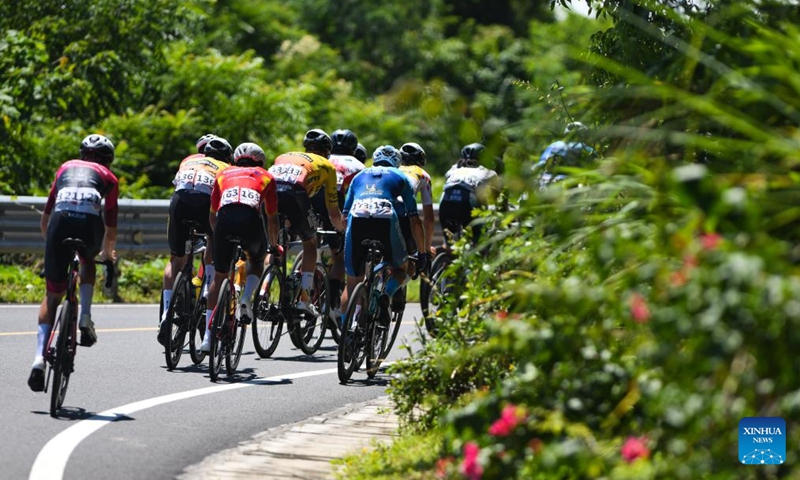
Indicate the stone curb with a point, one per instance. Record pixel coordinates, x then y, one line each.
303 450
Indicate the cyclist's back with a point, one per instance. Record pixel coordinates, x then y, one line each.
571 152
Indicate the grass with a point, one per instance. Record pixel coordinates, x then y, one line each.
409 457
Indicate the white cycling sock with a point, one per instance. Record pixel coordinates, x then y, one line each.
87 292
209 313
250 285
42 335
208 274
167 299
308 281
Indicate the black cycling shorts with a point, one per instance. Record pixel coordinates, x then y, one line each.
295 206
185 206
455 216
405 228
320 208
64 224
384 230
246 224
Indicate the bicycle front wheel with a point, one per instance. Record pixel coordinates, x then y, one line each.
219 324
235 341
310 330
62 360
178 318
351 342
197 328
437 291
268 324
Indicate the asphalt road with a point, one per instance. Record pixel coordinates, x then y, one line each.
130 418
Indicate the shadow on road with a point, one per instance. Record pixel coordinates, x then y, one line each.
78 413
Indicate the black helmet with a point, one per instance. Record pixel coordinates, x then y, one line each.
203 141
344 142
220 149
249 154
317 141
413 154
470 155
97 148
360 153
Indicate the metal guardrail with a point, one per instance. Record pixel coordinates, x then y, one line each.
141 227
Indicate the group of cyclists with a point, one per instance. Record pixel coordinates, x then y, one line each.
229 193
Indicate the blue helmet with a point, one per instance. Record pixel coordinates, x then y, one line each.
386 155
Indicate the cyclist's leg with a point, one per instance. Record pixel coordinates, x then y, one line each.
92 236
256 248
223 253
177 235
408 239
395 254
336 274
303 221
355 255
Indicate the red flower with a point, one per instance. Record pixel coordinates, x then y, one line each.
677 279
510 417
442 466
633 448
710 241
536 445
501 315
470 466
639 309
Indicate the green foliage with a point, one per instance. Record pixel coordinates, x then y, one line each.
407 457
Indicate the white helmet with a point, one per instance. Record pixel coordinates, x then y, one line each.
248 154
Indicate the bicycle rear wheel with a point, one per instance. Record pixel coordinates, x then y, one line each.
397 319
377 340
437 290
197 328
236 340
178 317
310 330
62 360
268 324
351 344
218 330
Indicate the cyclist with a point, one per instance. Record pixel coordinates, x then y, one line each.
468 185
344 144
74 210
361 153
243 193
570 152
191 200
413 161
371 209
299 176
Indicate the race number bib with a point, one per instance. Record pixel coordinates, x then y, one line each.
372 208
79 199
194 180
288 172
243 195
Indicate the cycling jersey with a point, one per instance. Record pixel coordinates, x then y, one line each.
197 173
374 193
470 184
561 153
251 186
80 186
347 166
308 170
420 182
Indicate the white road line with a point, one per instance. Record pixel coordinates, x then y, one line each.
52 459
102 306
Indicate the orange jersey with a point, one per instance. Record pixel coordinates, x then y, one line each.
309 170
197 173
251 186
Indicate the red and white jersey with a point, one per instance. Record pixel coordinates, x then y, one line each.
347 166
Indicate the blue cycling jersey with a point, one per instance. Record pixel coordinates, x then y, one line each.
374 191
570 154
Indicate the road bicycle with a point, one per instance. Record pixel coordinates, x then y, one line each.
186 313
434 288
227 328
274 306
364 335
59 352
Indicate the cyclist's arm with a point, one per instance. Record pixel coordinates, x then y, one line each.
48 208
110 217
270 197
418 232
428 218
216 194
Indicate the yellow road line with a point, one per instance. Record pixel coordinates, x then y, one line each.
130 329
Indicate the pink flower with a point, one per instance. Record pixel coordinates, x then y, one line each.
510 417
710 241
633 448
470 466
639 309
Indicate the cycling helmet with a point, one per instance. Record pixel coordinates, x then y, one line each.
202 141
317 140
575 128
360 153
413 154
470 155
219 148
387 156
97 148
344 142
249 155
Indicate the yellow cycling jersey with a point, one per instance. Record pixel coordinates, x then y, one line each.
198 173
420 182
309 170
